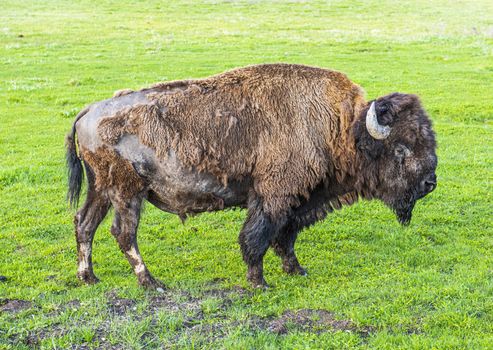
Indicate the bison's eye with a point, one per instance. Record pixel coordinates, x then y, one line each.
401 151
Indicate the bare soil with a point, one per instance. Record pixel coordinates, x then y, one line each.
14 305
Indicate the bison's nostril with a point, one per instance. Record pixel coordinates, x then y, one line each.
430 186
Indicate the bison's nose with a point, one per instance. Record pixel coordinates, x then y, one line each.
429 184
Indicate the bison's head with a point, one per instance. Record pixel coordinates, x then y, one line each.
398 146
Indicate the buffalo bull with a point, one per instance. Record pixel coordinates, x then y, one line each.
290 143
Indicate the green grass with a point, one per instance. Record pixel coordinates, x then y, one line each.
429 285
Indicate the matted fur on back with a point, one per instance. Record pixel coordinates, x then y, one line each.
286 126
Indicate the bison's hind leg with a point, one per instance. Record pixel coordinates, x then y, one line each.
124 229
86 222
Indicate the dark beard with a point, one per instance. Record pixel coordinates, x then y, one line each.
404 214
403 207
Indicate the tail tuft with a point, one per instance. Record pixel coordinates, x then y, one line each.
75 172
74 165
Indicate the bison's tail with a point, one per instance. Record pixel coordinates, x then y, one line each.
74 165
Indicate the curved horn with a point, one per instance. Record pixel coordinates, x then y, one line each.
376 130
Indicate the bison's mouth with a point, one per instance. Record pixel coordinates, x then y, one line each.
404 207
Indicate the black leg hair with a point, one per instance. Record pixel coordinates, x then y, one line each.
255 237
283 245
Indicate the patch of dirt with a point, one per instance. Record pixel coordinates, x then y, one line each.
34 338
208 325
119 306
309 320
14 305
72 304
175 301
195 323
226 293
210 331
215 281
306 320
101 336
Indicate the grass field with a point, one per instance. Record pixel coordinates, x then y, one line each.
371 283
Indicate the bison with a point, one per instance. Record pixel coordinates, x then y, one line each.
290 143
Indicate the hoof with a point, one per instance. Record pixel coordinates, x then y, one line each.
295 270
151 283
258 284
87 277
256 277
262 286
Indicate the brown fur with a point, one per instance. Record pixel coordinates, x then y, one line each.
287 141
112 172
253 121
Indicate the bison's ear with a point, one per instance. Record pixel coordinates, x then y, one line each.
385 112
371 148
389 108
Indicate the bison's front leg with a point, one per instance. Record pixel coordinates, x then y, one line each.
255 237
283 245
124 229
